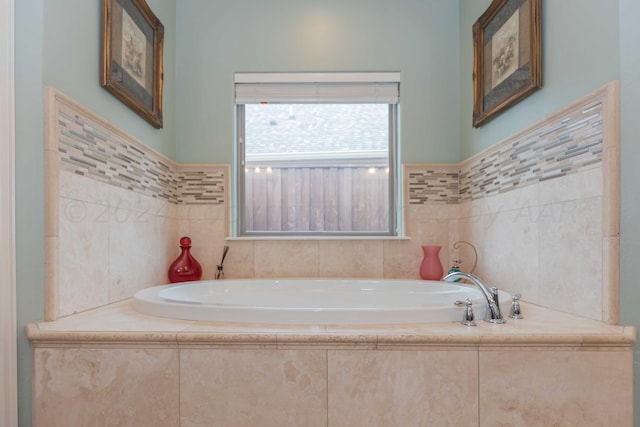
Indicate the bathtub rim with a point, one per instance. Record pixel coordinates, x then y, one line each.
148 301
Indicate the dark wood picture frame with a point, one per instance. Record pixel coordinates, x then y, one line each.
507 56
131 68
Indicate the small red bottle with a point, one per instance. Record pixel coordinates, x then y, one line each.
185 268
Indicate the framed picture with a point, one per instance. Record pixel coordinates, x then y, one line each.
507 56
131 69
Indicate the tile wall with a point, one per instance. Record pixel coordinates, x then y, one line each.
116 209
205 384
540 208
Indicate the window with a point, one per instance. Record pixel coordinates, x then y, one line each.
316 157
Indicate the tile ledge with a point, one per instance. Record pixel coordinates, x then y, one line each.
539 331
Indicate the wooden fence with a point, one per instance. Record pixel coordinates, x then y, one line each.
317 199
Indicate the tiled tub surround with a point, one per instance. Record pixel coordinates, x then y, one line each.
542 209
111 365
544 221
116 209
114 366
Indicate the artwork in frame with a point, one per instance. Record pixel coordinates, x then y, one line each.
131 69
507 56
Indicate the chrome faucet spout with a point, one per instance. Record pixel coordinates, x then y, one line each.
494 315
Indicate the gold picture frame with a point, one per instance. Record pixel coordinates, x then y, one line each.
131 68
507 56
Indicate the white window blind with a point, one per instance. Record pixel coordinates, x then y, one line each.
328 88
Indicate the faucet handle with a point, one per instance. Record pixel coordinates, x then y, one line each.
468 319
515 307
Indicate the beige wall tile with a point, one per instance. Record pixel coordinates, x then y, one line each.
137 243
509 257
402 388
571 257
351 258
610 279
253 388
286 258
471 208
611 190
402 259
78 187
240 260
426 226
52 282
83 247
556 388
112 243
166 237
519 199
127 201
106 387
580 185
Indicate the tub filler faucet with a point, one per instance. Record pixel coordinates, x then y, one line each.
220 272
494 315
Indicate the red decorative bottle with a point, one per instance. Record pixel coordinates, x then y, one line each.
431 267
185 268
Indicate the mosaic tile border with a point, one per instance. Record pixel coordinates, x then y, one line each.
568 142
201 187
558 147
563 146
87 147
427 185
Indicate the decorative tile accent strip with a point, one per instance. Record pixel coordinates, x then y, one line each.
426 186
558 148
88 148
199 187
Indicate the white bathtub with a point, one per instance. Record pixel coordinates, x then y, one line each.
313 301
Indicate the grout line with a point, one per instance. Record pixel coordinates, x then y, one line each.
327 385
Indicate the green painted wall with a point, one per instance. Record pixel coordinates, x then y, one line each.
580 53
630 175
72 65
419 38
29 181
58 44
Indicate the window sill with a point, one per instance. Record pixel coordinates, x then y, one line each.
312 238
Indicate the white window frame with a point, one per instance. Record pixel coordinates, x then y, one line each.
292 88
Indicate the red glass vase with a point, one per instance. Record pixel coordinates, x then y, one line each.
431 267
185 268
